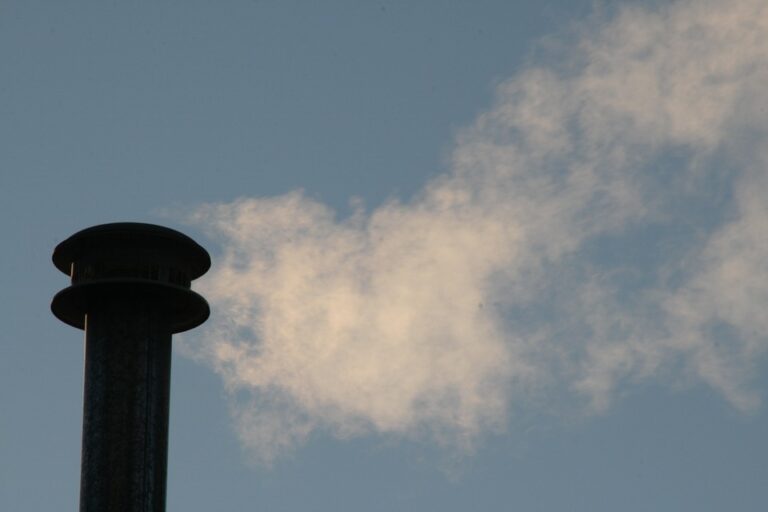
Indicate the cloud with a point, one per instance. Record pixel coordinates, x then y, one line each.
603 223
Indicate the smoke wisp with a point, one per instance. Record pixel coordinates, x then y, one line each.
603 223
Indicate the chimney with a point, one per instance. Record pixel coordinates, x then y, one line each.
130 292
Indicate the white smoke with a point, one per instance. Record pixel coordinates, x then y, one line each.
604 222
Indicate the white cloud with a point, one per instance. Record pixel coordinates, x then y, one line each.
585 237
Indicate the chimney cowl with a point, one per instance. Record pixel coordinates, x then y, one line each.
132 263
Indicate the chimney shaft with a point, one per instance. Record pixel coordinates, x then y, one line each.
130 292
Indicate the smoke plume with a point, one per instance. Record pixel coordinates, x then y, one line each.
604 223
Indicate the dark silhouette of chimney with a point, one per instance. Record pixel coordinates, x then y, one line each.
130 292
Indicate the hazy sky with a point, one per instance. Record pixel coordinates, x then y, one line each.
466 255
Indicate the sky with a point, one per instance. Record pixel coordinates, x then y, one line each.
466 255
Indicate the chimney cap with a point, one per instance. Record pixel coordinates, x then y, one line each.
135 264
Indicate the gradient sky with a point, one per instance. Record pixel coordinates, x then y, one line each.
474 255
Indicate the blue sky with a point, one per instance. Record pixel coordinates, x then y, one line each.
467 255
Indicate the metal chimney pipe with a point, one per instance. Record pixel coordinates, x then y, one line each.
130 292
